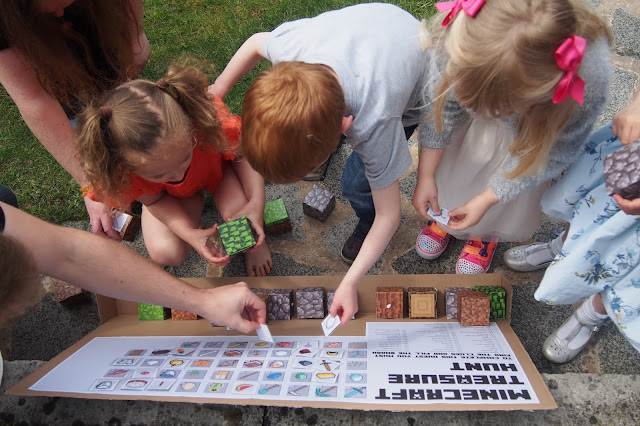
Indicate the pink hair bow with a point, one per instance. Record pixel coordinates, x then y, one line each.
569 57
470 7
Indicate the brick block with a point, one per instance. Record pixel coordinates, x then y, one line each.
310 302
473 308
451 301
622 171
236 235
178 315
318 203
276 217
66 294
147 311
497 300
423 302
390 302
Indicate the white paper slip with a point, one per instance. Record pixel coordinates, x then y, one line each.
264 333
329 324
118 220
443 217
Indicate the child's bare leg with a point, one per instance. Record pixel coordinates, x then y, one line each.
230 198
165 247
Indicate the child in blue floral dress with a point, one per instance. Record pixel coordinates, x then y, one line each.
600 258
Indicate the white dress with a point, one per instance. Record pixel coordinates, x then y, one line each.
477 151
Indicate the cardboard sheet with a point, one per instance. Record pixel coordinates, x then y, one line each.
435 364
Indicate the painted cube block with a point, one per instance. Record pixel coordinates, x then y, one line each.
237 235
319 203
66 294
276 217
423 302
473 308
178 315
126 224
497 300
310 302
279 303
451 301
330 295
147 311
622 171
390 302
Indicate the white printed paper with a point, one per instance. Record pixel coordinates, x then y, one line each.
396 363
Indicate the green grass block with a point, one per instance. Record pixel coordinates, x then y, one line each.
497 298
147 311
275 212
237 235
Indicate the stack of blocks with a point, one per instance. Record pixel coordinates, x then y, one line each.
178 315
497 300
310 302
147 311
318 203
423 302
473 308
451 301
279 303
389 302
622 171
276 217
237 235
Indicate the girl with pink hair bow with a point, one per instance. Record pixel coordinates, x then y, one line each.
514 91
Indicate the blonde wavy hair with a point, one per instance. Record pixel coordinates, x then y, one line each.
291 120
501 62
135 116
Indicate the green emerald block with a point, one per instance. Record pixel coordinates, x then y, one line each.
147 311
237 235
497 300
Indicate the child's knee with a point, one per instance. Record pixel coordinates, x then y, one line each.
164 256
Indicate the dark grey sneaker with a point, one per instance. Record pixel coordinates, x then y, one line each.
353 244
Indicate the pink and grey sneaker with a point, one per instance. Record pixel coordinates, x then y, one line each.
476 256
432 241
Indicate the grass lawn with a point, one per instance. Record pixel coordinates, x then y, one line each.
209 30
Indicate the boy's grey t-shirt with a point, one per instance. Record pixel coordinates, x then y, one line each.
375 50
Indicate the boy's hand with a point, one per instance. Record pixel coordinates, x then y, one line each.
234 306
201 242
630 207
345 303
425 194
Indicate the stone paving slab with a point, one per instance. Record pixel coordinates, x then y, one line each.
617 402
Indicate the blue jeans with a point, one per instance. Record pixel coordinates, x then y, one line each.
355 185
